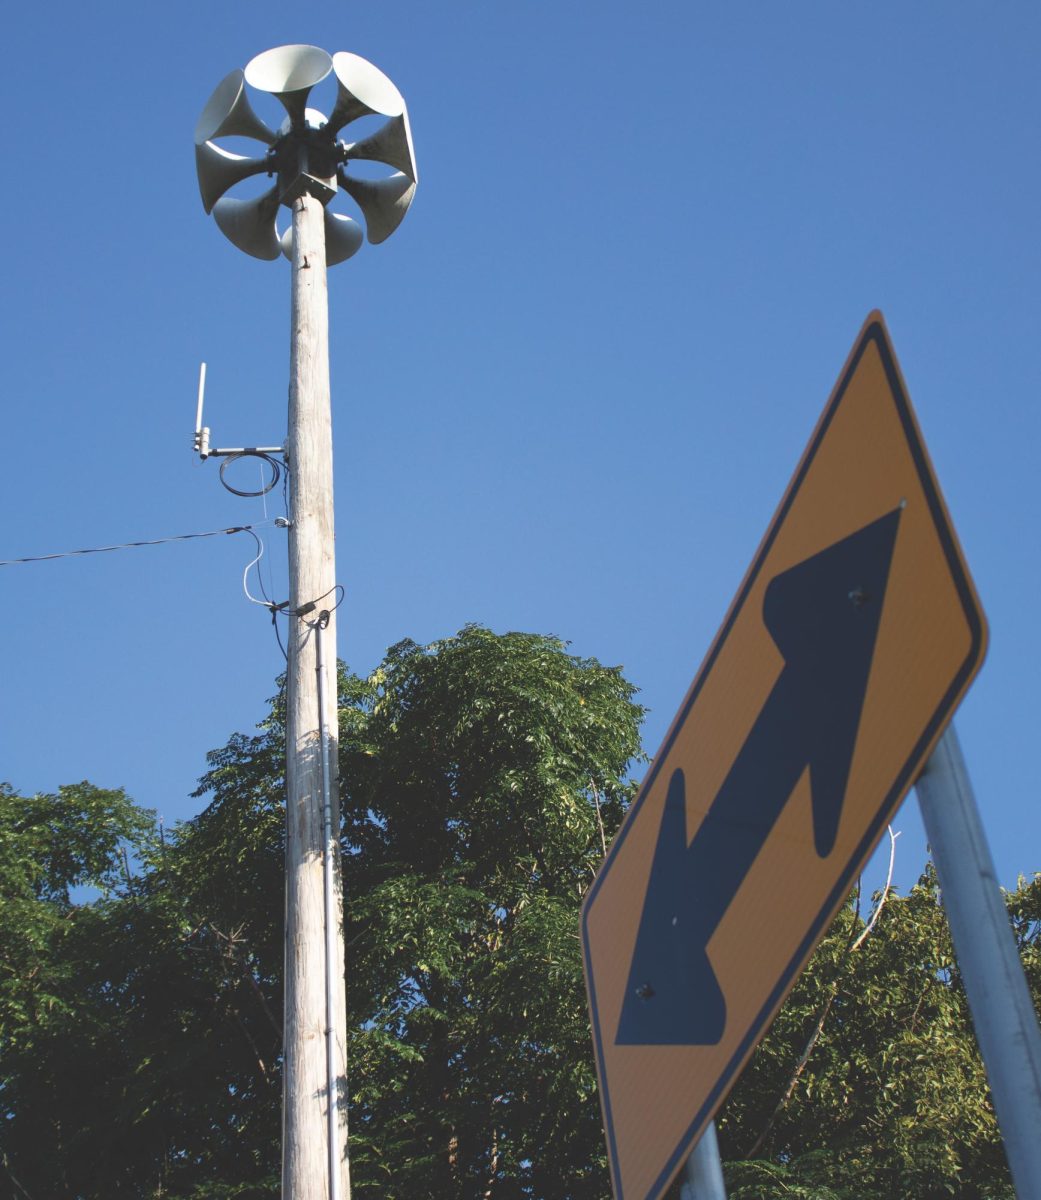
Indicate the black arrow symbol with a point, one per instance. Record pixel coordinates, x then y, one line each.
823 614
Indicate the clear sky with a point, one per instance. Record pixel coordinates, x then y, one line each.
568 392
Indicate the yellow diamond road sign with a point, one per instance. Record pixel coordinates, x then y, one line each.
850 642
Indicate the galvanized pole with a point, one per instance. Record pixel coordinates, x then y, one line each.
703 1173
1002 1009
315 1108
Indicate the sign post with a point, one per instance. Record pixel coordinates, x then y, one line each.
703 1173
851 640
1002 1009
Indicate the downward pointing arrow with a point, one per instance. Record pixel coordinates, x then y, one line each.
823 614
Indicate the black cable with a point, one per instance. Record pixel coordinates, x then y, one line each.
273 463
305 610
278 636
181 537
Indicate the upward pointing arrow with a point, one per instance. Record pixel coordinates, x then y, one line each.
823 614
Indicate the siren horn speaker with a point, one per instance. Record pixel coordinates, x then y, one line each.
391 144
228 113
343 238
289 72
219 170
363 91
383 202
250 224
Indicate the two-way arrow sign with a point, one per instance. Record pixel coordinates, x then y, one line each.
851 640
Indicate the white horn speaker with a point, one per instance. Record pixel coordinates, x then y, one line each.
289 72
219 170
228 113
391 144
343 238
383 202
363 91
250 224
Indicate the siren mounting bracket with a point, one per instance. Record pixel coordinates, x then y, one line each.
306 161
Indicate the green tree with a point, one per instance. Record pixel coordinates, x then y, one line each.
491 772
52 1035
869 1083
481 777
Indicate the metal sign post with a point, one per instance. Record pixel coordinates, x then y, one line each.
1002 1008
703 1173
308 165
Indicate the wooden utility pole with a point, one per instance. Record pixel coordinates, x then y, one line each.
310 165
315 1129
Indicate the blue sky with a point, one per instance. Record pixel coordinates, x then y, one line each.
568 392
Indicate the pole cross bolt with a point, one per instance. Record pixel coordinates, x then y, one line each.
304 155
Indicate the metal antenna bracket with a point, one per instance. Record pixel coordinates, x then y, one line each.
201 443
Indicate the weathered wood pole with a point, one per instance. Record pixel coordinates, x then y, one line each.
310 1113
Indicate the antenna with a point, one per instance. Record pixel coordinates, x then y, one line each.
201 444
202 435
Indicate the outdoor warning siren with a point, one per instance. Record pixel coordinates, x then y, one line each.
219 170
250 224
391 144
343 238
228 113
364 91
304 156
383 202
289 72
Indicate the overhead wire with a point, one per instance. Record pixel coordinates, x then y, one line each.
279 472
180 537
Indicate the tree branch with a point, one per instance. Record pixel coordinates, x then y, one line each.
851 945
599 817
885 891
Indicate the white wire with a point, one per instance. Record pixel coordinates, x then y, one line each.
245 575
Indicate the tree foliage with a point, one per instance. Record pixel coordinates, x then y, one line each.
481 777
490 768
891 1099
